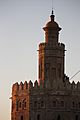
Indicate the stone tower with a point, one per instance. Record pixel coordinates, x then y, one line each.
52 97
51 55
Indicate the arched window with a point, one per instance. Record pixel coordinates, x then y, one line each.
24 104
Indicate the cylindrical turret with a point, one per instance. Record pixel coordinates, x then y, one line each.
51 31
51 55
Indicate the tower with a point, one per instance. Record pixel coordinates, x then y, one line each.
51 55
52 97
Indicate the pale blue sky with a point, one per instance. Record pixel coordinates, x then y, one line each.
21 23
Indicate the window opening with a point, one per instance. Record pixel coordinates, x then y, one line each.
58 118
79 104
42 104
21 117
62 103
73 104
35 104
38 117
25 104
20 104
76 117
17 105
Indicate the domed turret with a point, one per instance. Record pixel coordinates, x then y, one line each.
52 24
51 57
51 30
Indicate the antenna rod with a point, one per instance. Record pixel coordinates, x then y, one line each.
52 5
74 75
52 8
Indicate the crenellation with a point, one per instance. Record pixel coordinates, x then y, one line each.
21 86
78 85
61 45
25 85
15 87
72 86
36 85
66 78
42 44
30 85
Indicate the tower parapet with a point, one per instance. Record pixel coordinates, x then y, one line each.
19 88
27 96
15 88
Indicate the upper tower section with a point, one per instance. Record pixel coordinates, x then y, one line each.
51 55
51 30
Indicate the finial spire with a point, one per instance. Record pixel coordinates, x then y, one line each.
52 7
52 13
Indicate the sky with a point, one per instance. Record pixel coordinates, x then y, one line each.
21 23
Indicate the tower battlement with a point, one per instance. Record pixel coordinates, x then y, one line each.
72 86
26 86
61 45
30 86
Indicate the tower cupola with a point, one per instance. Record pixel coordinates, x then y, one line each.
51 55
52 23
51 28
